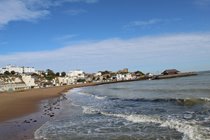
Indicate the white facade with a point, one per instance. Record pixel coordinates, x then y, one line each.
29 70
9 80
149 75
13 68
127 76
77 74
17 80
12 87
28 80
65 80
97 74
1 86
17 69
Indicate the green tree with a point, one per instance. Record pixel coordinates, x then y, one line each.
6 73
34 75
50 72
139 73
50 75
57 74
63 74
81 80
13 72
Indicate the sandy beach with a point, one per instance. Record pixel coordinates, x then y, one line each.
19 109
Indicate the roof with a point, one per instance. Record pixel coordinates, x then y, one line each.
171 71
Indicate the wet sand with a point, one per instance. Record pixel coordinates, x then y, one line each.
21 113
23 128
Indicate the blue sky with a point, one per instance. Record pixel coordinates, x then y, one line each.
92 35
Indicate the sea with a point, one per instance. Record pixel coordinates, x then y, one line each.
168 109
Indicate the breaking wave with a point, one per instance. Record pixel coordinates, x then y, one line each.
189 129
187 101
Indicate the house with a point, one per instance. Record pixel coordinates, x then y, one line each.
89 77
106 76
29 70
28 80
170 72
13 87
65 80
98 74
138 74
123 71
121 77
77 74
1 86
17 69
102 76
149 75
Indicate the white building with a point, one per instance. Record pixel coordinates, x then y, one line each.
121 77
150 75
12 87
77 74
17 69
10 68
97 74
10 80
29 70
28 80
1 86
66 80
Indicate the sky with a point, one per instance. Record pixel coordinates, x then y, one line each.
94 35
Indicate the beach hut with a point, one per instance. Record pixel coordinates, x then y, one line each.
170 72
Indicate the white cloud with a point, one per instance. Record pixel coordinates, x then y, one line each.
143 23
182 51
66 37
14 10
30 10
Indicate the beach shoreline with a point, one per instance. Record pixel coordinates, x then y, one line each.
17 104
21 113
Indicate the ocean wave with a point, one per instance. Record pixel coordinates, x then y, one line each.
89 110
40 134
84 93
100 97
75 90
180 101
92 95
189 129
76 105
174 90
206 99
185 102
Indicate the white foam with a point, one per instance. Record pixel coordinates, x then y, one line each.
75 90
84 93
89 110
76 105
91 95
206 99
100 97
189 129
135 118
40 134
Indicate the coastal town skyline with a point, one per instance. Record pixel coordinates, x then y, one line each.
94 35
17 78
